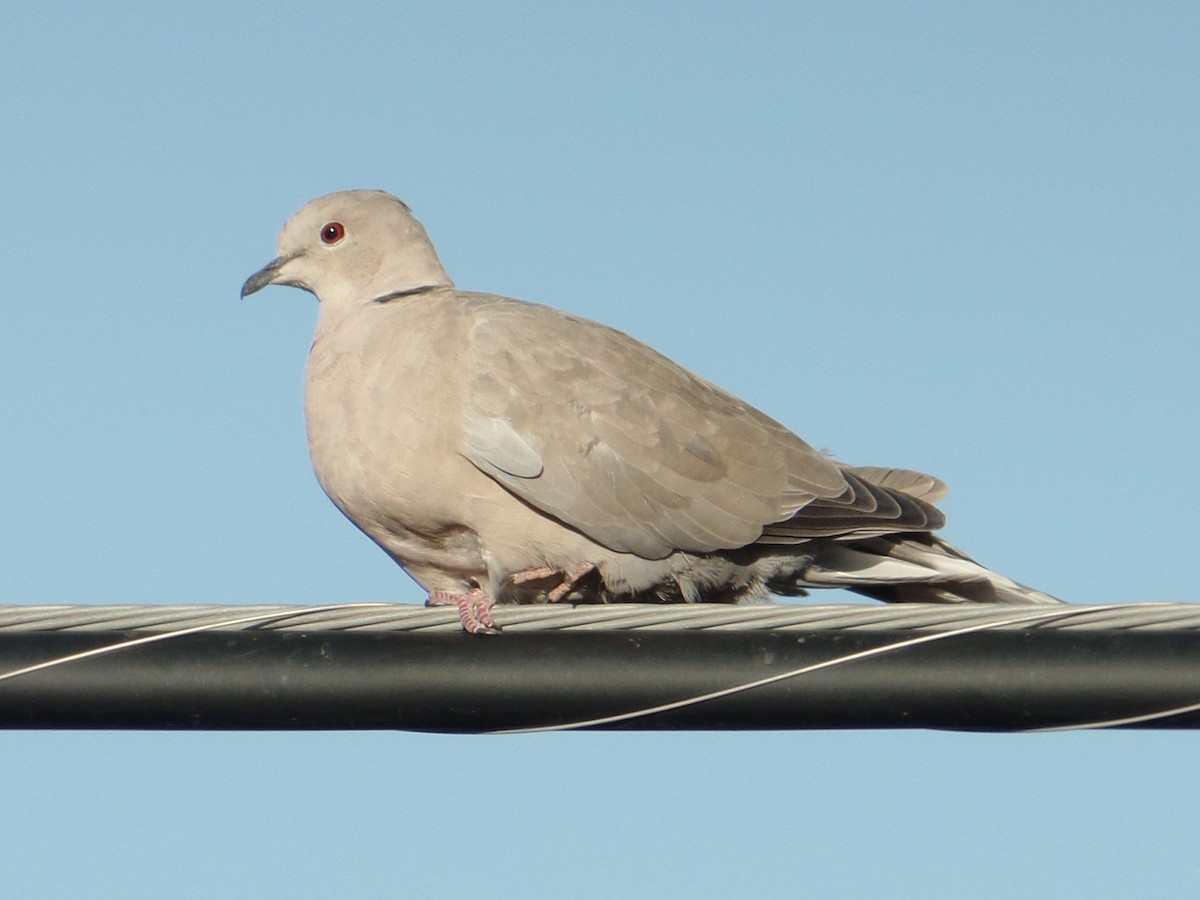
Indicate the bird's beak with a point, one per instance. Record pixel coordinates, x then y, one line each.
268 274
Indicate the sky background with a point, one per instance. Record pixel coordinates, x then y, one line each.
960 238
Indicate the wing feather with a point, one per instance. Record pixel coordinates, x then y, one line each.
601 432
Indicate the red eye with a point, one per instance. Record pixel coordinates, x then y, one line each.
333 232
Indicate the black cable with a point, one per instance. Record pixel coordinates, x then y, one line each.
978 677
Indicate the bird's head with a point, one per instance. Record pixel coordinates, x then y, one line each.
353 247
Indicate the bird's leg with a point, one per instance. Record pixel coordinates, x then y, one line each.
474 609
527 575
566 580
570 579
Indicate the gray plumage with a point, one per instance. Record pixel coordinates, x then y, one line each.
502 450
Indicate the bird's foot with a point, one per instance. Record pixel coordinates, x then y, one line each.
474 609
567 580
570 580
527 575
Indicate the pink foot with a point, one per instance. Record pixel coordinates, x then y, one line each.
537 574
567 580
474 609
570 579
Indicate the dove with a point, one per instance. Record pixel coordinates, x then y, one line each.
502 451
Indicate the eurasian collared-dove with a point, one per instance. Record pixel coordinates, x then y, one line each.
503 451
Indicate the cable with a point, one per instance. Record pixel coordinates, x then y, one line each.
632 667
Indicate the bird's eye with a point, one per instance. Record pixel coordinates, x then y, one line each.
332 233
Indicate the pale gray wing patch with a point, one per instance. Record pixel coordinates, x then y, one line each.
494 446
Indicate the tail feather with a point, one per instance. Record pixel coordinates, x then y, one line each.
914 569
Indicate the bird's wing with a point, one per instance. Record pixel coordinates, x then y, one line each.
594 428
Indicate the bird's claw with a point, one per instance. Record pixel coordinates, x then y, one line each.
474 609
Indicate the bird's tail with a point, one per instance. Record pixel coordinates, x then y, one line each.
914 568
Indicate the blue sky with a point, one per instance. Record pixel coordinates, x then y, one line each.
954 237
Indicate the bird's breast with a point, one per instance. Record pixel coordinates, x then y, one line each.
382 404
